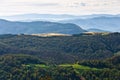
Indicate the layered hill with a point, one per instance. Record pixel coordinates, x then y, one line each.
37 27
104 22
107 23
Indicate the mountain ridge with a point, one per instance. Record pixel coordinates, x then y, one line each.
106 23
52 17
34 27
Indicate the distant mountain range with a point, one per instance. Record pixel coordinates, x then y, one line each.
52 17
39 17
104 22
38 27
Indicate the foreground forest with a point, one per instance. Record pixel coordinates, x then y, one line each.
77 57
27 67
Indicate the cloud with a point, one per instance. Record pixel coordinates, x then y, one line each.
79 7
83 4
42 4
47 4
80 4
32 4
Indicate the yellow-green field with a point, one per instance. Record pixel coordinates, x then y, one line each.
77 66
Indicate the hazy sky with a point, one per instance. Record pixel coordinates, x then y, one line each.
76 7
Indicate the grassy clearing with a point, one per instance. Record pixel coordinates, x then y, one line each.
77 66
36 65
41 65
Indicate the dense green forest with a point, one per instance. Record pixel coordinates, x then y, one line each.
27 67
66 49
77 57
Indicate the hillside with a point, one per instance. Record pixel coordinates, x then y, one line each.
38 27
64 49
86 56
27 67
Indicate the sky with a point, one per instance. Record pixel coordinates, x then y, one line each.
74 7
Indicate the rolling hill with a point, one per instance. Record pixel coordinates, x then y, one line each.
63 49
104 22
38 27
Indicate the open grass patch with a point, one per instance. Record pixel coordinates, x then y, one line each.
77 66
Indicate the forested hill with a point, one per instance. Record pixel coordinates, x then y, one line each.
27 67
64 49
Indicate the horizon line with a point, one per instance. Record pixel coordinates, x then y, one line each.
58 14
